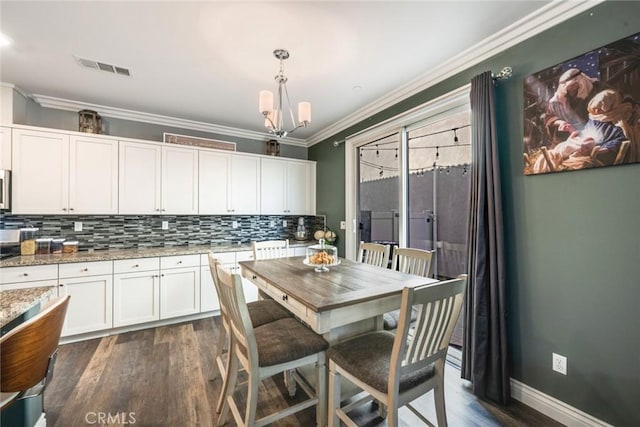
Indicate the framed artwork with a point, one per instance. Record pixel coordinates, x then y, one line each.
584 112
194 141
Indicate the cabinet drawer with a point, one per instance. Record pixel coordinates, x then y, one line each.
291 304
83 269
28 274
224 257
244 256
135 264
179 261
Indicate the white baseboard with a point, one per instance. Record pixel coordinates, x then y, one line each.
552 407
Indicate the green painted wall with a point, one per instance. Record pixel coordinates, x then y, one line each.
572 239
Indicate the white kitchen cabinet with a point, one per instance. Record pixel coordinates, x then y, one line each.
136 291
208 295
229 183
57 174
250 290
287 187
5 148
40 172
179 181
90 285
29 277
179 285
157 180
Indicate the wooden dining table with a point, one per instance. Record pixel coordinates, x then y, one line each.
347 300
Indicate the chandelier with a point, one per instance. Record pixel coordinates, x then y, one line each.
274 114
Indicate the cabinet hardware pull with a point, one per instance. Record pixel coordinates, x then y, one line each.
179 262
85 269
136 265
25 274
162 275
64 209
285 297
61 284
70 209
157 210
254 277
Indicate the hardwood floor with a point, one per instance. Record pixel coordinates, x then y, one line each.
165 377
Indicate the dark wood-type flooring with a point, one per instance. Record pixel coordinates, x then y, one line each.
165 377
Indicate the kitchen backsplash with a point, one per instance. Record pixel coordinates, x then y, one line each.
140 231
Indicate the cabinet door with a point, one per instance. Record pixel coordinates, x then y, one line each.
40 177
179 292
298 194
273 187
93 175
214 183
208 295
179 180
136 298
91 304
139 178
5 148
245 185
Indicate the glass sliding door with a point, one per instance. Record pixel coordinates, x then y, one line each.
439 158
378 190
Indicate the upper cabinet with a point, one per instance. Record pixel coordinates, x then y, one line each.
157 180
5 148
57 174
287 187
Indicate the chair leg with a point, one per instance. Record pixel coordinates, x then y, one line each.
438 395
321 390
252 398
225 380
227 393
290 382
334 395
220 346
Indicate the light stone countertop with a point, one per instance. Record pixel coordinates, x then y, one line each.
15 302
113 254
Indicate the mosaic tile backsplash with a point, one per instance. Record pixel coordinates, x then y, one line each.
133 231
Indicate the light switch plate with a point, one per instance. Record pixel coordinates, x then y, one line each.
234 224
272 224
77 226
165 225
285 223
343 225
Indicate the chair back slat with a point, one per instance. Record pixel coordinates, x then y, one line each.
233 303
413 261
374 254
270 249
427 341
25 350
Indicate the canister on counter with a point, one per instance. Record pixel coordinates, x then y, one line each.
43 246
28 241
56 246
70 247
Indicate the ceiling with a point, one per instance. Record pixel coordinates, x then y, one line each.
206 61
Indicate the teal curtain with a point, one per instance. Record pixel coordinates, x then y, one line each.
484 360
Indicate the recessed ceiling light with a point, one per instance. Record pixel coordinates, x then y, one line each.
5 40
357 88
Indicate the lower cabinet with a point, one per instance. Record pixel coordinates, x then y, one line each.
136 291
179 285
208 295
91 304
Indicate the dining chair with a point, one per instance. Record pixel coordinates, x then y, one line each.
270 249
374 254
28 353
411 261
260 312
396 369
265 351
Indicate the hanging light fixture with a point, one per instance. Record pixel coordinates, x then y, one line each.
274 114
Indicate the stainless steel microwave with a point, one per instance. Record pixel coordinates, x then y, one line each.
5 190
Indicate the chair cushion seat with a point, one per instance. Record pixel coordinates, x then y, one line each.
390 320
368 356
266 311
285 340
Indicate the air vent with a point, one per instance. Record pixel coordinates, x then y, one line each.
102 66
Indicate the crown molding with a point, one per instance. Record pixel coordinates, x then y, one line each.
138 116
14 87
542 19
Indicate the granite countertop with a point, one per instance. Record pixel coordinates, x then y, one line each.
113 254
15 302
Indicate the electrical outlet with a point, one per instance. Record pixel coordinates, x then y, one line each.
559 364
165 225
77 226
343 225
234 224
272 224
285 223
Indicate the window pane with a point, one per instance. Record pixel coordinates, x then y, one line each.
439 161
378 192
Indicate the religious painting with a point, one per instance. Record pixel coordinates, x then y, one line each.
584 112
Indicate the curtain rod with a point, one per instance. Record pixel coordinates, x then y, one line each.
504 74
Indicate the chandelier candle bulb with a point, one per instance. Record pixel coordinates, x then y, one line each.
266 103
304 112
